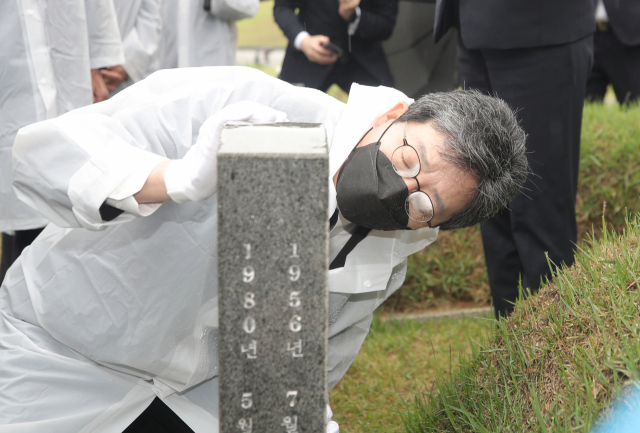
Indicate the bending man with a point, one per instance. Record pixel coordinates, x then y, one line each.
98 317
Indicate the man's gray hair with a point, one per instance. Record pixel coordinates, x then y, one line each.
483 138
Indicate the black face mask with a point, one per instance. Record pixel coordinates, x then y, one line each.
369 191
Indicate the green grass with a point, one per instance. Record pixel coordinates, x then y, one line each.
453 269
399 359
261 30
558 361
609 165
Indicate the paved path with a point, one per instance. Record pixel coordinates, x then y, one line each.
447 314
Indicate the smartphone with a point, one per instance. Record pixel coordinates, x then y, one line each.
336 50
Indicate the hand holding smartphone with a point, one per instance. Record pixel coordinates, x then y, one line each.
335 49
317 50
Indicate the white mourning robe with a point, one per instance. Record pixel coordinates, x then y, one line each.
140 24
47 49
98 318
192 36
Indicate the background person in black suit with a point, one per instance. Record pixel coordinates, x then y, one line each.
356 26
616 47
535 55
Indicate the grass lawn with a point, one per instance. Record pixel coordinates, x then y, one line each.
261 30
399 359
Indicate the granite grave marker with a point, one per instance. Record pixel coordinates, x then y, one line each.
272 271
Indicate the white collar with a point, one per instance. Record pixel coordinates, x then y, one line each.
365 104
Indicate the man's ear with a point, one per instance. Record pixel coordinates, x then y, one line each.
398 110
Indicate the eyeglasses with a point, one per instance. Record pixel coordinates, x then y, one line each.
406 163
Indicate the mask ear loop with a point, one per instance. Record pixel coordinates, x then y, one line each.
362 138
385 131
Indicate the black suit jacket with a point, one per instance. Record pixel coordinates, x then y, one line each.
624 16
320 17
505 24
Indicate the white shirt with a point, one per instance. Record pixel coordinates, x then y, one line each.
140 24
99 319
192 36
601 12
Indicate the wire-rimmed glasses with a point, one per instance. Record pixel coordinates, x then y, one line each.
406 163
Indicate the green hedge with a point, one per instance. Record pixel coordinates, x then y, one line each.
453 269
558 361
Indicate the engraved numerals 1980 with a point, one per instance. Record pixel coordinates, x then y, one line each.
250 349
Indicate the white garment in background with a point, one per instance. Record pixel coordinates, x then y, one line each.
140 23
99 318
47 49
192 36
601 13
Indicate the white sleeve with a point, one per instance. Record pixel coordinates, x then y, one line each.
142 42
297 42
105 45
67 167
234 10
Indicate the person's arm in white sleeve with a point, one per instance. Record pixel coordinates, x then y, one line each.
142 42
297 42
194 177
105 44
234 10
69 167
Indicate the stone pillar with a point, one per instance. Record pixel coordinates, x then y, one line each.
272 266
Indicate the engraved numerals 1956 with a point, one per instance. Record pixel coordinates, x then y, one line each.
294 347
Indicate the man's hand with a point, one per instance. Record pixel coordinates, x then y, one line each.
312 48
195 176
113 76
100 91
347 8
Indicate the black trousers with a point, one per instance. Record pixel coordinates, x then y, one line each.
617 64
21 240
547 87
158 418
7 256
12 247
344 74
